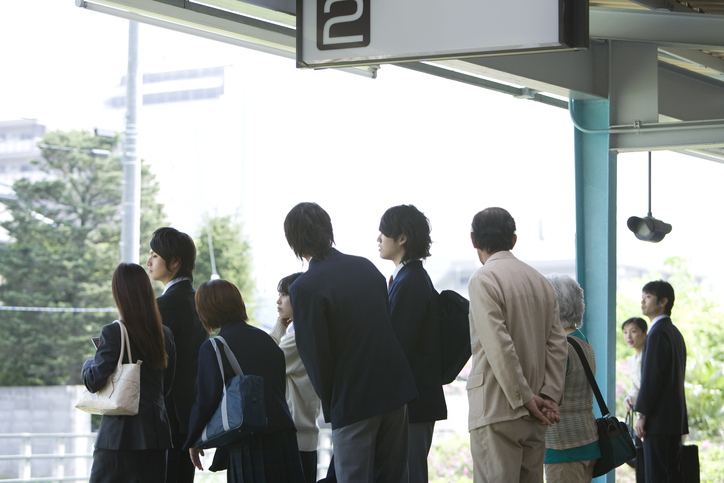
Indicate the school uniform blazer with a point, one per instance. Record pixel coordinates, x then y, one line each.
518 343
415 317
663 367
178 311
258 355
149 429
346 341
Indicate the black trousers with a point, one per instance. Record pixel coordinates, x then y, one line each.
662 458
179 468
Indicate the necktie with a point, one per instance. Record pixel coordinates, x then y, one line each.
389 283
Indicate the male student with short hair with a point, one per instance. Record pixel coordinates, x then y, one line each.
350 351
172 260
661 403
405 240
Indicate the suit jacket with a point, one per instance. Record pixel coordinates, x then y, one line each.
346 341
518 344
415 317
663 367
258 355
149 429
178 311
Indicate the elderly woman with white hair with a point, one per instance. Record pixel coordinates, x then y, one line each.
572 445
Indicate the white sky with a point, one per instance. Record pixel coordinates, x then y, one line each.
354 145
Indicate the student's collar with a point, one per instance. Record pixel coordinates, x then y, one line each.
399 267
656 319
172 282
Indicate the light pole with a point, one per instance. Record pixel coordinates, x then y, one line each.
131 201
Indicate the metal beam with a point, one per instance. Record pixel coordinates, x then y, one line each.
687 96
519 92
559 73
206 22
696 57
673 140
668 5
633 77
692 30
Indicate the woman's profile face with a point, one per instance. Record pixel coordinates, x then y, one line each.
284 306
634 336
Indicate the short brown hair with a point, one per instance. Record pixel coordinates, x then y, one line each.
219 302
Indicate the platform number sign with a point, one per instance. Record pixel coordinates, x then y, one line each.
343 24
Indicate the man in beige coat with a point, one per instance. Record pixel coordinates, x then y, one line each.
519 357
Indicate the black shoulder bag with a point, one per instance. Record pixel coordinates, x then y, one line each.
613 437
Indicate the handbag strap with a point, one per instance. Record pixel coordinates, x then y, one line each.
125 342
230 356
591 380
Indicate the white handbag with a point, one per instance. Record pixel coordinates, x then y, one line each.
122 391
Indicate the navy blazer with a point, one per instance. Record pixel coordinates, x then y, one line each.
149 429
663 367
257 354
178 311
345 339
415 317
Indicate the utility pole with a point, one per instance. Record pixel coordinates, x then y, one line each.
131 201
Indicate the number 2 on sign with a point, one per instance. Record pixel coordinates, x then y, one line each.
329 40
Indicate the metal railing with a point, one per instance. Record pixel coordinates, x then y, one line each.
26 456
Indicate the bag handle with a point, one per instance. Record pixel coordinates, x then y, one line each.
230 356
591 380
235 365
125 342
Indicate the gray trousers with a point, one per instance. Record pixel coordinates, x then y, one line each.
373 450
420 441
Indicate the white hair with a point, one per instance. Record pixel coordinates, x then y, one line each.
570 300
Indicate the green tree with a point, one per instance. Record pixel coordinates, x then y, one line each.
232 255
64 236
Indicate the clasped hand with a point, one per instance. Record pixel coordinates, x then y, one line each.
545 410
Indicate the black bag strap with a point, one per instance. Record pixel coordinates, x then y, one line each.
591 380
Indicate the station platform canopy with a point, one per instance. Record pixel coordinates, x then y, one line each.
660 62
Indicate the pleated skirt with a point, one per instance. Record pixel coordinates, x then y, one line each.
267 458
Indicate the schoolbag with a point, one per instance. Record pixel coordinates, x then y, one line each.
454 333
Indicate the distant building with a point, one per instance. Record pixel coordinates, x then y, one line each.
18 146
185 85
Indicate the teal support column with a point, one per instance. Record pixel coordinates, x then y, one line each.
595 168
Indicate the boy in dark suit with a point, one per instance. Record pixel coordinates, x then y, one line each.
405 240
350 351
172 260
661 403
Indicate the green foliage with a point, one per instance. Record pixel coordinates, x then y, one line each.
232 254
64 245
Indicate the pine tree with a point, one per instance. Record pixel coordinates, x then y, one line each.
63 247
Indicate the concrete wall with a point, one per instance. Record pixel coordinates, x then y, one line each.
47 409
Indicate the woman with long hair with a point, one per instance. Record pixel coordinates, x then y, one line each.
133 448
268 455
